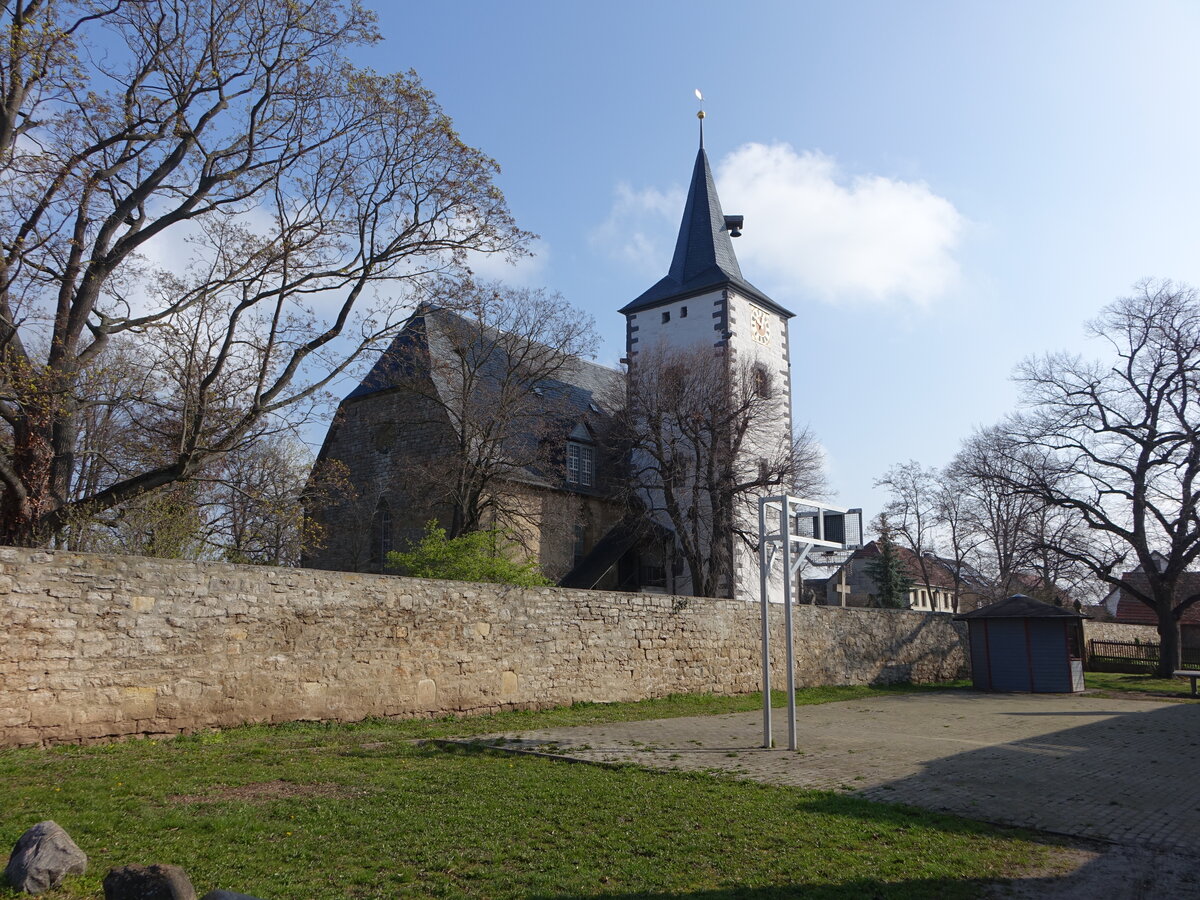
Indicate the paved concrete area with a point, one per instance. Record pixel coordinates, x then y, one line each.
1114 770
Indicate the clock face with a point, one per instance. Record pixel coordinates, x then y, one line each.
760 326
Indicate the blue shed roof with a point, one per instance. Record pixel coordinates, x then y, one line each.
1018 606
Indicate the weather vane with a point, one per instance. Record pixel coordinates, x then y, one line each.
700 115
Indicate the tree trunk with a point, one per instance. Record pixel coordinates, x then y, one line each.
22 518
1170 644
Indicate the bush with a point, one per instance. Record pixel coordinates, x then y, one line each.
477 556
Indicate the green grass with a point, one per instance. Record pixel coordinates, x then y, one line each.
1169 688
307 811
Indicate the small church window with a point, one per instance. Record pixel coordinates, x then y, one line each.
581 464
580 548
683 312
666 317
385 436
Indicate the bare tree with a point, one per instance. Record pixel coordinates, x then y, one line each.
1117 444
1000 516
490 369
298 192
912 515
961 539
927 514
696 428
255 501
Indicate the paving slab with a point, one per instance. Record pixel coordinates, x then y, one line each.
1078 765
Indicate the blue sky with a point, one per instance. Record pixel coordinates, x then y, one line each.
935 189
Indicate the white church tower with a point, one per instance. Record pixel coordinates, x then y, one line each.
704 301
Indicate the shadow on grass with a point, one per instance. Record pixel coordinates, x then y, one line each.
815 802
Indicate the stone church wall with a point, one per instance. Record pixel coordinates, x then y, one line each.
97 647
384 453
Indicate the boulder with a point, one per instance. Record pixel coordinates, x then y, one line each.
41 857
226 895
148 883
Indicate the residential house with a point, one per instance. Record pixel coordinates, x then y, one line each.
935 588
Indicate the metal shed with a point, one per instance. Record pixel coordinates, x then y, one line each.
1022 644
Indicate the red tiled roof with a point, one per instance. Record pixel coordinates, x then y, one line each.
939 575
1132 611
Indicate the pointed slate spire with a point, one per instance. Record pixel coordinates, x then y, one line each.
703 240
704 259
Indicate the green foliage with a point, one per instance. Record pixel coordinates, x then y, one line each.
474 556
892 582
1142 684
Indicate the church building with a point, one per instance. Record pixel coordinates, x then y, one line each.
705 302
573 507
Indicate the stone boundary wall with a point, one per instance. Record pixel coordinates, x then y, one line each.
98 647
1115 631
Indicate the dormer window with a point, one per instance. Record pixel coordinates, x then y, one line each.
581 464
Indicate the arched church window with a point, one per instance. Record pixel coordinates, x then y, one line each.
381 533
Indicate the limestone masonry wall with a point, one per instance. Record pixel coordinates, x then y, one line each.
94 647
1115 631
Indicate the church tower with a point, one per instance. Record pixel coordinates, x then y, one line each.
704 302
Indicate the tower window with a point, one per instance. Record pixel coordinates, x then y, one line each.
762 383
683 312
666 317
581 464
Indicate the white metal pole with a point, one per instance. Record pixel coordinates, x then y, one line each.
785 532
763 590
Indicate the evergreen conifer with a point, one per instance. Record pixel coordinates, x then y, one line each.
892 582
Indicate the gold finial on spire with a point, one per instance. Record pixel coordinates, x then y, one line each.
700 116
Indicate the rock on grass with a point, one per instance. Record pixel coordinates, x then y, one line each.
42 857
148 883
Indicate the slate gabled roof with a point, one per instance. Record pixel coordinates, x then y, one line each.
1018 606
579 392
580 383
704 259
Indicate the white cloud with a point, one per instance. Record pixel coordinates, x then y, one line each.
526 271
811 231
639 230
867 237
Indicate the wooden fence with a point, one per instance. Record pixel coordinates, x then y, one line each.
1129 656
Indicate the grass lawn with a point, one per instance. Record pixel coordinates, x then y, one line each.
311 811
1168 688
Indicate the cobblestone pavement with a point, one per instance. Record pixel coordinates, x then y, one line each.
1116 770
